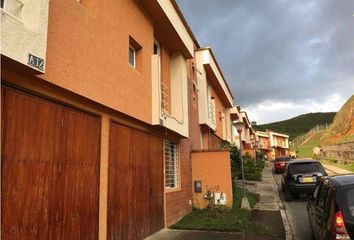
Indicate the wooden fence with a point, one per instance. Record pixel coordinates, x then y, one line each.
302 138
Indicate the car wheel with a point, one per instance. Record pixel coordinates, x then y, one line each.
288 196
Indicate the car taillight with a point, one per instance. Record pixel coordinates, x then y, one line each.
340 232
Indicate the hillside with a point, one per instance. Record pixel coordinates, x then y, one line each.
299 125
342 129
306 149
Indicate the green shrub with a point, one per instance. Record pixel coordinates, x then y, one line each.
252 176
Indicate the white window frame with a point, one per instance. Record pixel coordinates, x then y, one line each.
171 161
20 5
158 47
134 59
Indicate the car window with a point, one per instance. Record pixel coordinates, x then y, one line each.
298 168
322 195
316 191
347 202
328 200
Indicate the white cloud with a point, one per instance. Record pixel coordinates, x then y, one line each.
271 111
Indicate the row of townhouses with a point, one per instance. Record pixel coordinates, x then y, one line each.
112 119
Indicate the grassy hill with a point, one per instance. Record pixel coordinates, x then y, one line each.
306 149
342 129
299 125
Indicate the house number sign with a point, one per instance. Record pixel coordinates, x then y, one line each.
36 62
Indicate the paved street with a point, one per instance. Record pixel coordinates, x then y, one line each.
297 214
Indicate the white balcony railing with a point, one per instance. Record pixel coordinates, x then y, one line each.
164 98
211 112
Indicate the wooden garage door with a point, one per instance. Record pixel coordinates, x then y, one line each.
50 170
135 187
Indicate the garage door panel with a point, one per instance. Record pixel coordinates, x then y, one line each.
132 183
50 170
120 136
34 125
80 174
25 197
26 160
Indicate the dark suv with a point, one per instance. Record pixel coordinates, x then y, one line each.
331 208
301 176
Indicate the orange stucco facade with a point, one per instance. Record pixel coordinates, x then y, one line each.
219 109
213 169
88 53
87 68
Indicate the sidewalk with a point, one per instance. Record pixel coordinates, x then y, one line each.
270 201
268 196
334 169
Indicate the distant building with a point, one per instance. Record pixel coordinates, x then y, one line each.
273 144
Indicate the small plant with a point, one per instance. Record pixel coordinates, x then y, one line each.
213 209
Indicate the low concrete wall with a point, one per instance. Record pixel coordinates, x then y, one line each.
340 152
213 169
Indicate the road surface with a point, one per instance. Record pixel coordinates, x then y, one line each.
297 214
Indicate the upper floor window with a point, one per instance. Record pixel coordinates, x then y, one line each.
14 7
157 49
132 56
135 56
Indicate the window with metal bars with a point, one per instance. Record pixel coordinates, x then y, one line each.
171 164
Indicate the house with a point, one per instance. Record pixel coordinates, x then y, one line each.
248 135
235 115
264 144
273 144
279 143
210 128
97 96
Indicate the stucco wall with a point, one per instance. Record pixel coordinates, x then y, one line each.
194 127
213 169
165 73
88 53
219 110
25 34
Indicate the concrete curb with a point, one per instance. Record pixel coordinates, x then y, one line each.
288 231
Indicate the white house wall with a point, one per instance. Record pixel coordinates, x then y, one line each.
25 33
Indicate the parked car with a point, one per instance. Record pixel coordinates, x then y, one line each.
280 163
301 176
331 208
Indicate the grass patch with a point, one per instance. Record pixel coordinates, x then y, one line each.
306 150
229 220
226 219
348 167
238 195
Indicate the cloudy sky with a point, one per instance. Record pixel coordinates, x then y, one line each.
281 58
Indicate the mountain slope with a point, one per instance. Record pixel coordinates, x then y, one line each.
298 125
342 129
306 149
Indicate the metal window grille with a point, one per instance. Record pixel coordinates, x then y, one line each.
171 164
